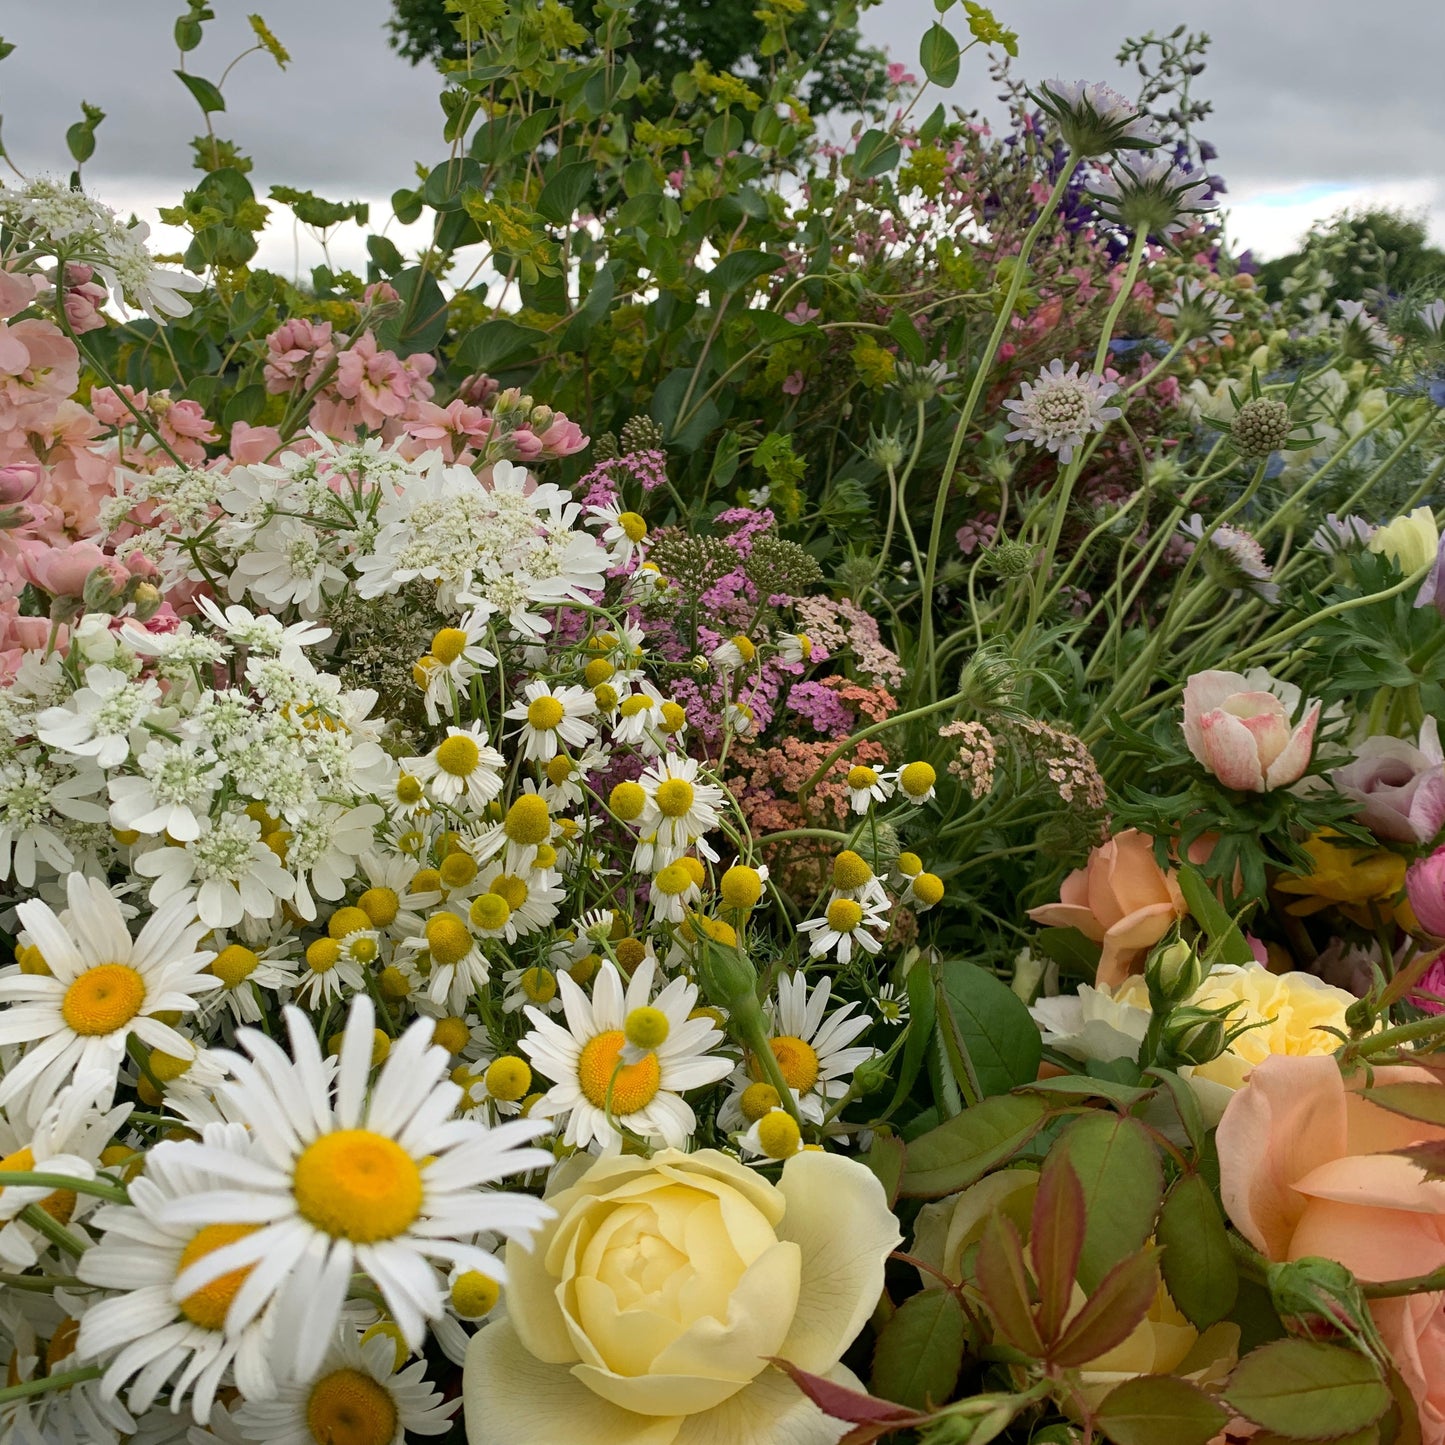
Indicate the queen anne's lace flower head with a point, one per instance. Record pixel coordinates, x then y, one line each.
1060 408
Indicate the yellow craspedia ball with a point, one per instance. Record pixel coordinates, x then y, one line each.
741 886
508 1078
452 1034
779 1135
347 920
850 871
475 1294
627 801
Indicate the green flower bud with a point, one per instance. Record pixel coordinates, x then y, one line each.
1173 973
870 1076
1194 1036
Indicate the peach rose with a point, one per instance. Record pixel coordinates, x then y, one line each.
1238 726
646 1312
1307 1169
1121 898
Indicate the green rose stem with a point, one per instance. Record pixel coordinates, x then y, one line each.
924 662
1394 1288
63 1381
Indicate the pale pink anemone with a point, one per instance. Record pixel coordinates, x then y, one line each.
1238 727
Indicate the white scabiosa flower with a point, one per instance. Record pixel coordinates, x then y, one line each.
1151 196
1093 118
1199 312
594 1089
1235 557
1060 408
343 1178
102 987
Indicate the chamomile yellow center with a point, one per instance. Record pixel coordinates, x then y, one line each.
627 801
756 1100
452 1034
347 920
490 911
208 1305
630 952
928 889
381 905
910 865
103 999
348 1407
539 985
674 797
797 1062
234 964
673 879
510 888
844 915
745 648
508 1078
559 770
358 1185
647 1027
408 789
528 820
674 717
860 777
638 702
449 644
544 713
850 871
459 755
741 887
457 870
778 1134
475 1294
634 528
599 1069
598 671
916 779
322 955
447 938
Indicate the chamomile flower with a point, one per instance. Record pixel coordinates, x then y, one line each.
623 533
361 1397
534 986
66 1139
463 767
916 782
854 878
593 1089
532 900
553 719
342 1179
795 647
638 715
774 1136
867 786
102 987
676 889
244 970
455 967
146 1335
814 1050
844 924
680 808
330 973
737 651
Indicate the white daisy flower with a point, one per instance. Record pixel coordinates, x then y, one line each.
553 719
812 1048
795 647
532 987
66 1139
145 1334
737 651
680 809
102 987
844 924
867 786
593 1087
346 1180
103 719
463 765
360 1397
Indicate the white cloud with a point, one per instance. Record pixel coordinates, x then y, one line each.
1270 220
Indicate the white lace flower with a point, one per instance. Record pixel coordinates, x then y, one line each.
235 874
103 719
35 800
286 564
261 633
171 795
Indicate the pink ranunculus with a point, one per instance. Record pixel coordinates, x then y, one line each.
1238 727
1400 786
253 443
1122 899
1425 888
1308 1167
61 571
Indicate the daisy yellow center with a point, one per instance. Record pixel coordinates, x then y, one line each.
103 999
380 905
674 797
475 1294
844 915
357 1185
234 964
528 820
448 938
348 1407
633 526
539 984
449 644
635 1085
60 1205
545 713
208 1305
850 871
861 777
459 755
797 1062
490 911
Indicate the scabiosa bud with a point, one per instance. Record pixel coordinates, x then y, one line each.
885 448
1199 312
1093 118
921 383
1060 408
1011 558
1261 426
1151 196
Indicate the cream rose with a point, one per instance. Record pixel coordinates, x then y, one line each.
645 1313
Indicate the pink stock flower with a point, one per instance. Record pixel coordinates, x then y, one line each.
1425 888
110 409
1400 786
61 571
452 429
1120 898
84 296
16 292
562 437
1238 727
39 369
253 443
18 480
298 350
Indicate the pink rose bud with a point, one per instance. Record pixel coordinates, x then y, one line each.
1399 785
1425 888
1238 727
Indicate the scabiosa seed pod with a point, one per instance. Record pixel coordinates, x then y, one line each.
1261 426
1011 558
1094 119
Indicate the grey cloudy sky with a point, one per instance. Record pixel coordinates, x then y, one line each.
1319 103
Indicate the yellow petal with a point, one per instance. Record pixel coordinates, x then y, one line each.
770 1411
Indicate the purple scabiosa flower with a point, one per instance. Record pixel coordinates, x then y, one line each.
1363 337
1093 118
1432 590
1234 557
1151 196
1200 313
1337 534
1432 318
1060 408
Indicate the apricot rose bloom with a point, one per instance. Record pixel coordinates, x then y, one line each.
646 1312
1121 898
1238 726
1307 1168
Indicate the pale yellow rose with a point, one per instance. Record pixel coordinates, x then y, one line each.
1410 542
645 1312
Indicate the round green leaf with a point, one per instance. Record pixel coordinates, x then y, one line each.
1304 1390
920 1350
1159 1410
938 54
